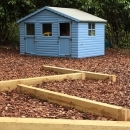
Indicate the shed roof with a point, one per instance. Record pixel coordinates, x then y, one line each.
71 13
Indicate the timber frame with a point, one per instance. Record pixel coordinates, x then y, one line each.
102 109
88 75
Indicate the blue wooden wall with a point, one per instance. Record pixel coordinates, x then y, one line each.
22 40
89 46
82 45
48 46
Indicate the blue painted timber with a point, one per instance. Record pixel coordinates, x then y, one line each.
30 45
78 45
49 46
64 47
89 46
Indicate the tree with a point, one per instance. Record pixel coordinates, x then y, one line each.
69 3
10 11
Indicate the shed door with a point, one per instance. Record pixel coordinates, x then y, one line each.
64 39
30 38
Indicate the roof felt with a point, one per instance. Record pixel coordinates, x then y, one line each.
74 14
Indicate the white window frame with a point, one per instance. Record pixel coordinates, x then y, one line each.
91 29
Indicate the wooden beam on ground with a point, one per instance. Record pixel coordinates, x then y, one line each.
89 75
60 124
12 84
58 69
128 115
85 105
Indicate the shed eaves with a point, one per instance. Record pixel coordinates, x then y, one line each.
74 14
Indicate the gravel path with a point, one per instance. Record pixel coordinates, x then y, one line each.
13 104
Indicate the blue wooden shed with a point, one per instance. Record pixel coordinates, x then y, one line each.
62 32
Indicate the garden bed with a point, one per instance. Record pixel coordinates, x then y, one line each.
102 91
16 66
13 104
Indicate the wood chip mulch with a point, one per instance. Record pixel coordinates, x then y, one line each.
102 91
15 66
13 104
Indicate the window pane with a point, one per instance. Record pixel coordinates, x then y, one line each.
91 32
89 26
93 26
30 29
64 29
47 29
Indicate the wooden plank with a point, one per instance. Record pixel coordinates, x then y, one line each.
89 75
128 115
12 84
60 124
85 105
58 69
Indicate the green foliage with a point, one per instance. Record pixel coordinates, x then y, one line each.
41 3
69 3
10 11
13 38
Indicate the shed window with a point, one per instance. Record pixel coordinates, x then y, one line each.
30 29
64 29
91 29
47 29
